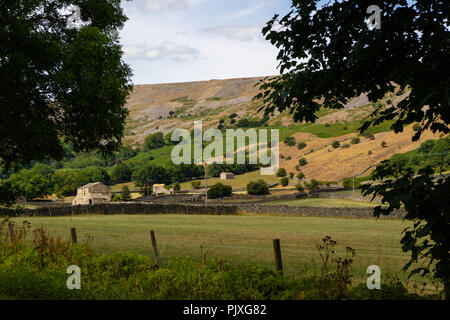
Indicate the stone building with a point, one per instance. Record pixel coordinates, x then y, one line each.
92 193
161 189
226 176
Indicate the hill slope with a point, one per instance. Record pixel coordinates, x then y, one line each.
164 107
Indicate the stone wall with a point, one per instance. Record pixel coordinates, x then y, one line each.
122 208
313 211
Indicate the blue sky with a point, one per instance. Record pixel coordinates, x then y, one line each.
190 40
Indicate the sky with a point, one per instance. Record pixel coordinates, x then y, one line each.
192 40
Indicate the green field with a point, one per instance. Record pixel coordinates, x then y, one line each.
241 238
320 202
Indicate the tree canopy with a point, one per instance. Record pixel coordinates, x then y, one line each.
328 55
60 84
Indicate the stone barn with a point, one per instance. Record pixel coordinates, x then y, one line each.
92 193
161 189
226 176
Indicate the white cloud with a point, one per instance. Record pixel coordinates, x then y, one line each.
160 5
166 50
242 33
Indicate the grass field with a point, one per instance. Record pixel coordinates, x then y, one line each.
242 238
319 202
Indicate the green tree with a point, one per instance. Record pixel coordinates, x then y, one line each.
125 194
219 190
313 185
34 183
121 173
60 85
322 45
281 172
148 174
259 187
154 141
335 144
284 181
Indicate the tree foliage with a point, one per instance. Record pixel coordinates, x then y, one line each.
327 53
60 84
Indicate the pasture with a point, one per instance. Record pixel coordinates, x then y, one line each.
241 238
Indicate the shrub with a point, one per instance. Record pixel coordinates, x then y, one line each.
298 167
284 181
115 197
416 127
335 144
125 193
259 187
281 172
219 190
300 175
299 187
348 183
369 152
345 146
291 175
302 162
355 140
313 185
195 184
327 125
383 144
290 141
301 145
176 186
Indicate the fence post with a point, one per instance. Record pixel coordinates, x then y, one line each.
11 231
73 235
277 250
155 248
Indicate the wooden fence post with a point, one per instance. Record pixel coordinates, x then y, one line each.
11 231
73 235
155 248
277 250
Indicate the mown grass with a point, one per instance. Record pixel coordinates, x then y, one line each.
240 239
319 202
123 268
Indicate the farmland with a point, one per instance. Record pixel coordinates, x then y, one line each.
241 239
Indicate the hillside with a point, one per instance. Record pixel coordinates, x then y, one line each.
164 107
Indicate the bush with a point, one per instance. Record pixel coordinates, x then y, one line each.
290 141
291 175
345 146
281 172
298 167
195 184
301 145
348 183
355 140
313 185
259 187
219 190
154 141
176 186
299 187
284 181
383 144
300 175
302 162
335 144
125 193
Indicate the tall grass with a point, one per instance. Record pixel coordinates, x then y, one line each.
38 271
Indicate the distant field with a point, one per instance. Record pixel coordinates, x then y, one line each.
243 238
320 202
239 181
